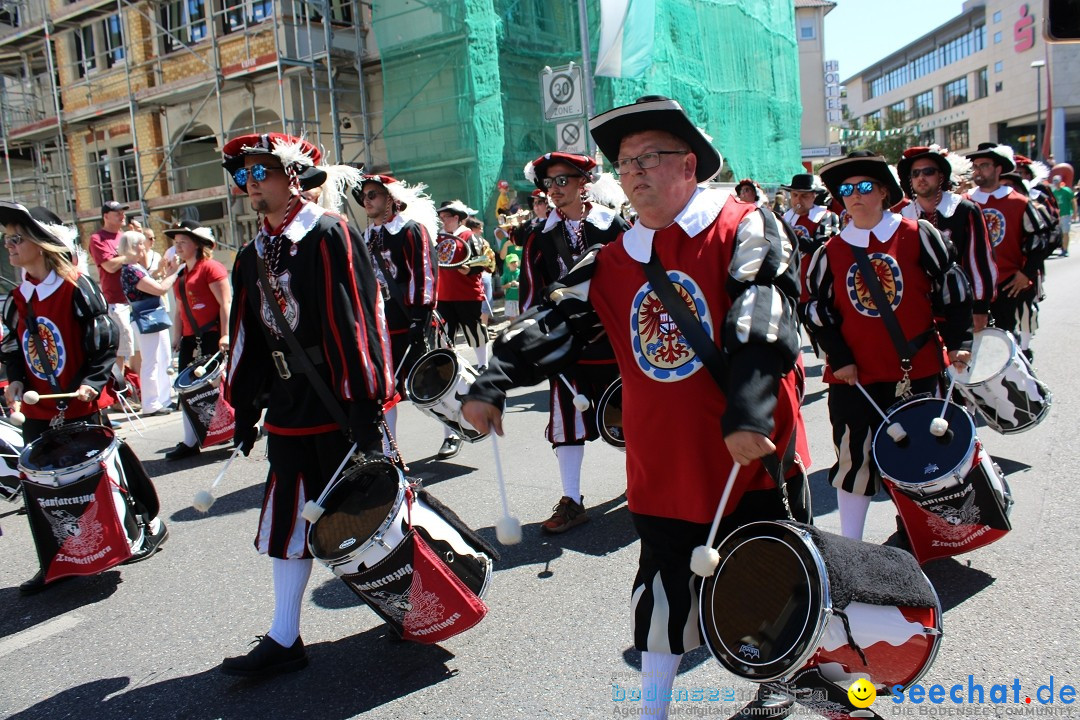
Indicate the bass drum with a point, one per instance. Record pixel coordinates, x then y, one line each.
435 385
1001 384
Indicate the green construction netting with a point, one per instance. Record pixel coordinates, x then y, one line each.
461 89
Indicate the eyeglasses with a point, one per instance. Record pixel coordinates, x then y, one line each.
255 172
560 180
863 187
924 172
15 239
373 194
645 161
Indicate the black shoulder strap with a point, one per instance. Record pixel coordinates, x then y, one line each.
298 353
31 320
198 330
689 325
905 349
561 247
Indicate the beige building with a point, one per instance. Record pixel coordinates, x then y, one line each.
972 80
819 82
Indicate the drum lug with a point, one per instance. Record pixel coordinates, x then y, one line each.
932 631
379 539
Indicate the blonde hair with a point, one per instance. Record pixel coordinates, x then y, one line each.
56 255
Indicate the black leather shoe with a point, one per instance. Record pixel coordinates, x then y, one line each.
182 451
768 705
266 659
451 446
152 542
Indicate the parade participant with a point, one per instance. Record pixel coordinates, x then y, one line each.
734 264
103 249
71 349
1019 238
928 175
306 268
461 296
488 266
551 250
749 191
204 298
402 223
811 223
913 269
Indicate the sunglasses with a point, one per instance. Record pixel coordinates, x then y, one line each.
560 180
924 172
255 172
864 187
15 239
373 194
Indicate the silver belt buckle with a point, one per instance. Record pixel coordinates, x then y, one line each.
281 365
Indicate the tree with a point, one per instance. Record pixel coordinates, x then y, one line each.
895 136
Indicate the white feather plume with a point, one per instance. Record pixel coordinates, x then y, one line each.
1006 152
606 190
292 153
66 236
961 167
530 172
1039 170
419 207
340 179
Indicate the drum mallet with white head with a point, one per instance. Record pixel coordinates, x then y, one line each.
312 510
705 558
508 528
17 419
30 397
205 498
581 403
201 370
895 430
939 425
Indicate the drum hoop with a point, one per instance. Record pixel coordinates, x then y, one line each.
409 381
998 428
373 539
1014 351
935 637
920 488
52 475
199 382
826 610
601 406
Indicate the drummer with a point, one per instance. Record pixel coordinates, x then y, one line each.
914 271
204 298
75 345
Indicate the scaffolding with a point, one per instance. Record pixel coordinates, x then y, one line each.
131 100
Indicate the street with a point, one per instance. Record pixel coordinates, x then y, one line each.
144 641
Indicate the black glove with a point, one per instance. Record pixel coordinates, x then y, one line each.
244 435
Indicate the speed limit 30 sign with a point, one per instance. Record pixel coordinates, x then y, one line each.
562 93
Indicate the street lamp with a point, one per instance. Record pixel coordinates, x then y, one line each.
1038 65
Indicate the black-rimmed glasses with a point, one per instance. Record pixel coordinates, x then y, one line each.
645 161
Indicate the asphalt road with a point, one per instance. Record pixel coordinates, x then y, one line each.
144 641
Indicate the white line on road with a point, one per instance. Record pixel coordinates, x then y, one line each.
37 633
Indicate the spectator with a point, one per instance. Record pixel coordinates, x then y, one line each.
1066 200
510 284
103 249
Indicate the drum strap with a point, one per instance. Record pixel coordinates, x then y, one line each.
392 285
32 327
299 355
904 348
562 247
195 327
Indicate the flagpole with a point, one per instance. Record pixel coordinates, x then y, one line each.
586 70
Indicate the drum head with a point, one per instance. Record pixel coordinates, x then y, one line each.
763 609
187 381
991 351
609 415
66 447
433 376
922 457
357 505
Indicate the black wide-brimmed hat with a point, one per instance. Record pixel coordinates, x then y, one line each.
1002 155
455 207
903 168
40 222
654 112
197 232
861 162
803 182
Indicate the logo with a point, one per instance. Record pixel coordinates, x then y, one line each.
347 543
660 348
951 523
888 276
54 348
447 250
862 693
286 301
77 536
930 469
995 225
801 233
750 651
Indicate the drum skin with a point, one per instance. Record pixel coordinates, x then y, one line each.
435 384
609 416
922 463
1001 384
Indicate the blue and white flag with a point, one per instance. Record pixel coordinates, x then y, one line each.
626 37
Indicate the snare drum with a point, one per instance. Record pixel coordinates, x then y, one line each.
609 416
435 384
950 495
1001 384
202 403
81 515
11 446
366 535
788 598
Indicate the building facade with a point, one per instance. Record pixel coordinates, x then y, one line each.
987 75
819 83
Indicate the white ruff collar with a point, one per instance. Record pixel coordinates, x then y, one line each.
699 213
884 230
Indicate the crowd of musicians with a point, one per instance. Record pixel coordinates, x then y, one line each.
890 272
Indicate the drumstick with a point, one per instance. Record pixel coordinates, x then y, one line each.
201 370
705 558
205 498
581 403
312 509
895 430
31 397
508 528
402 363
939 425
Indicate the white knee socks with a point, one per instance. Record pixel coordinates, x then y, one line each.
290 580
853 510
657 677
482 354
570 459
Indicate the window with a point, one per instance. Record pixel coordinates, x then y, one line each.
239 14
927 138
956 49
981 83
999 66
129 178
956 136
99 44
898 112
9 15
999 86
955 93
874 119
997 38
114 40
104 177
84 50
923 104
185 21
807 31
997 17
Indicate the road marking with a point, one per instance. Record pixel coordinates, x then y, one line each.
37 633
